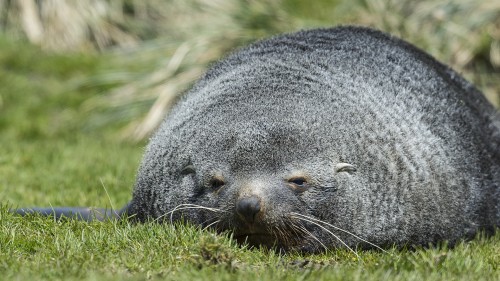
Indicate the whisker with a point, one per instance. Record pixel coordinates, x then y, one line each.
275 231
215 222
304 230
338 228
207 220
296 229
193 206
287 238
282 235
331 233
172 214
186 207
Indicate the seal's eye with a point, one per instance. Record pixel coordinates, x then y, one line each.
216 183
345 167
189 169
300 181
298 184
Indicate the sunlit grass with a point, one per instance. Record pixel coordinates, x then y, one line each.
47 165
41 248
61 118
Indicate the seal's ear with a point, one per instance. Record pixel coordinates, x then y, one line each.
345 167
189 169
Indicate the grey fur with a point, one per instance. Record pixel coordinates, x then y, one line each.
424 143
347 125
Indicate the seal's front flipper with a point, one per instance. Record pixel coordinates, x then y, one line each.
79 213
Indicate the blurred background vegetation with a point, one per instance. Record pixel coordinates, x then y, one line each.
121 63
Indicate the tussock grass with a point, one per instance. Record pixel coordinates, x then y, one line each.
464 34
201 32
161 47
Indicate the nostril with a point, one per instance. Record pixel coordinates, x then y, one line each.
248 208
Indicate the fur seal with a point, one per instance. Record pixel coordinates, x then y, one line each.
325 138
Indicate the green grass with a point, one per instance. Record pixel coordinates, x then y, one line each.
50 157
44 148
35 247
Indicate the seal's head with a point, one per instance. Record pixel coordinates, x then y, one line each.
261 163
267 181
264 185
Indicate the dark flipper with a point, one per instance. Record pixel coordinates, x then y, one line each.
79 213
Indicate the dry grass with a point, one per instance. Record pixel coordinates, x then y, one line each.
463 33
69 25
182 57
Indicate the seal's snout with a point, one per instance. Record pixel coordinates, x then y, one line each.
248 208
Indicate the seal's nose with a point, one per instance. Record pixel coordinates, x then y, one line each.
248 208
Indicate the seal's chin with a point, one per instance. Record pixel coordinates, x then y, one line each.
257 239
